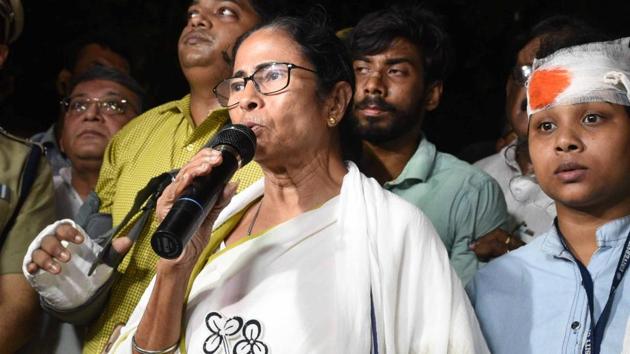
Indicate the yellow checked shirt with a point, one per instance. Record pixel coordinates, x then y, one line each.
158 141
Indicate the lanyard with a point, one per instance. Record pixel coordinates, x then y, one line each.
596 332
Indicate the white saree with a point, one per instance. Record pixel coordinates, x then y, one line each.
305 285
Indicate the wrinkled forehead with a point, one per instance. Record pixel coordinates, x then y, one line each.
593 72
266 45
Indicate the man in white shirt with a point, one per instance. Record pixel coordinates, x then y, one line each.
101 101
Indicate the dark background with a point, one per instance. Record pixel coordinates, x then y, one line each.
471 110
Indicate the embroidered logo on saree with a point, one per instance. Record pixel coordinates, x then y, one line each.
232 336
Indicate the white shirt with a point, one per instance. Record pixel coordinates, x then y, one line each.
67 200
531 210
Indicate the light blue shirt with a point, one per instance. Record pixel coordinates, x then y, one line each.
462 202
532 300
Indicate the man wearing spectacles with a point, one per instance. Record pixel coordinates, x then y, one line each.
80 55
531 211
101 101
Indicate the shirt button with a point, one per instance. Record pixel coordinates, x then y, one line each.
189 147
575 325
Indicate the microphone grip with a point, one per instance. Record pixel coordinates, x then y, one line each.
191 209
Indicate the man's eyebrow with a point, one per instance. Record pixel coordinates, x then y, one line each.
112 93
363 58
107 94
394 61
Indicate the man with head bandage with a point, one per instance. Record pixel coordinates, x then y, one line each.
566 291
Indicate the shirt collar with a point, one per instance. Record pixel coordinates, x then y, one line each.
608 235
66 175
213 121
47 138
419 166
181 106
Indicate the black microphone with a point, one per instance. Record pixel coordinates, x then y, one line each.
237 144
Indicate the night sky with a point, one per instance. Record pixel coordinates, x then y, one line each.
471 110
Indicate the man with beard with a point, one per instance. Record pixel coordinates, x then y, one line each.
400 58
158 141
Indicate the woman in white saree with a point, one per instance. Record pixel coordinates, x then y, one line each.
314 258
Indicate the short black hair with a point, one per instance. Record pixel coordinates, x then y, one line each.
568 35
72 52
267 10
319 45
555 28
376 32
99 72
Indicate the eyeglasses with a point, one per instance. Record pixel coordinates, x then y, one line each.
268 79
521 74
108 106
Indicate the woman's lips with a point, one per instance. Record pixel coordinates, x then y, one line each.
570 172
255 127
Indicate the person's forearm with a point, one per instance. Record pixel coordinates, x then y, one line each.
18 312
160 326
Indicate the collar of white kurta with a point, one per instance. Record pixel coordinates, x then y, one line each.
593 72
356 220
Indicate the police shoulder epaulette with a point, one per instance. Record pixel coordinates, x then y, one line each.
26 142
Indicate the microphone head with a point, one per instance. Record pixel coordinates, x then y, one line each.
239 137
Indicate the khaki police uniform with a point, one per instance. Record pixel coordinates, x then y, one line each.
38 208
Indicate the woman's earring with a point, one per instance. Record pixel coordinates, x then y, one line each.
332 121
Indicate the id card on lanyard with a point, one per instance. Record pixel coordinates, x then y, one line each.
595 334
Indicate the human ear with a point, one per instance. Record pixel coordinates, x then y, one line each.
339 99
433 96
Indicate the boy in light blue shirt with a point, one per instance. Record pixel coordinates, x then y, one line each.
567 291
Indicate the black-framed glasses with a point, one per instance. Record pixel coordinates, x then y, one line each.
521 74
268 79
108 106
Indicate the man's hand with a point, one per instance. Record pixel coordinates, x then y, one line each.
494 244
52 252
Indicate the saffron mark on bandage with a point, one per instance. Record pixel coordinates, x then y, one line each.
546 85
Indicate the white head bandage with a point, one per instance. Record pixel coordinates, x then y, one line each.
593 72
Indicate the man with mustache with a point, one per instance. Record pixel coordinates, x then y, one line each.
101 101
400 58
160 140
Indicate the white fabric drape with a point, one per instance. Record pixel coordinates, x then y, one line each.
308 282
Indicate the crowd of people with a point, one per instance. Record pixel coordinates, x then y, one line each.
349 232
